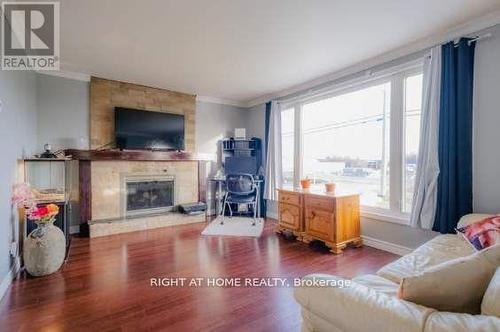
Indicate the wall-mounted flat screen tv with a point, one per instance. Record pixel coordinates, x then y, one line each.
147 130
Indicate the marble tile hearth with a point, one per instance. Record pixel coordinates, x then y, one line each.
133 224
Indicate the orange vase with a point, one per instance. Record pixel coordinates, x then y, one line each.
305 183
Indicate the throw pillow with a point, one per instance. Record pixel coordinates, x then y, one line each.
482 234
457 285
471 219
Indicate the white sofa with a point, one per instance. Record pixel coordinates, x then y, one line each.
370 303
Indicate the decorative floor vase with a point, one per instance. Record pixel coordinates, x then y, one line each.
44 250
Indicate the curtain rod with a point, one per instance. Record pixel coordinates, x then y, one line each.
326 85
478 38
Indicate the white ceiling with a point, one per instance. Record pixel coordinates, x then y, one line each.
240 50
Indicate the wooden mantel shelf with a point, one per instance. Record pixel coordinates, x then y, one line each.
134 155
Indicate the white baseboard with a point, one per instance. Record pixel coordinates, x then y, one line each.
386 246
75 229
7 280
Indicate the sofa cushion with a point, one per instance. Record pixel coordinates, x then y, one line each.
440 249
378 284
457 285
314 323
450 321
358 308
491 299
491 254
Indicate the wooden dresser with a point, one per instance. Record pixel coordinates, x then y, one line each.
331 218
291 213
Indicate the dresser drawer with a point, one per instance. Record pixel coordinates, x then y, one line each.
314 203
289 197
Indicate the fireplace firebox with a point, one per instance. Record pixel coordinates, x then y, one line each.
148 194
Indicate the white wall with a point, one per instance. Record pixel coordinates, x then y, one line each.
63 108
18 140
486 124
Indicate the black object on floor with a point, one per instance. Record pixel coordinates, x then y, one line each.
193 208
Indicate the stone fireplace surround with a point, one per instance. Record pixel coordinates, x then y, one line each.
108 183
101 171
101 188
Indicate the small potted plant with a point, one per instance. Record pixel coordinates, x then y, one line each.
330 187
305 183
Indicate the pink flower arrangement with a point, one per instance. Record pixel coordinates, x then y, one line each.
22 196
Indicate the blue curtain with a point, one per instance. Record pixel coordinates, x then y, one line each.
455 136
266 142
268 115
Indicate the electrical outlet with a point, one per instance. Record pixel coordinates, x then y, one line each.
13 249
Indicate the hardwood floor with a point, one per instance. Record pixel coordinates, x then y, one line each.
105 285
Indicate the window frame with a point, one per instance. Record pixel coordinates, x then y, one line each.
396 76
407 74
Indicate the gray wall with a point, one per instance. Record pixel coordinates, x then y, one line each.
486 124
63 108
18 139
256 119
398 234
213 123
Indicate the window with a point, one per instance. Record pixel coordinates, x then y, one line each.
345 140
364 138
287 147
413 103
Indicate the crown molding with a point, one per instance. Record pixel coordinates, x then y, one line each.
215 100
473 26
86 78
66 74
